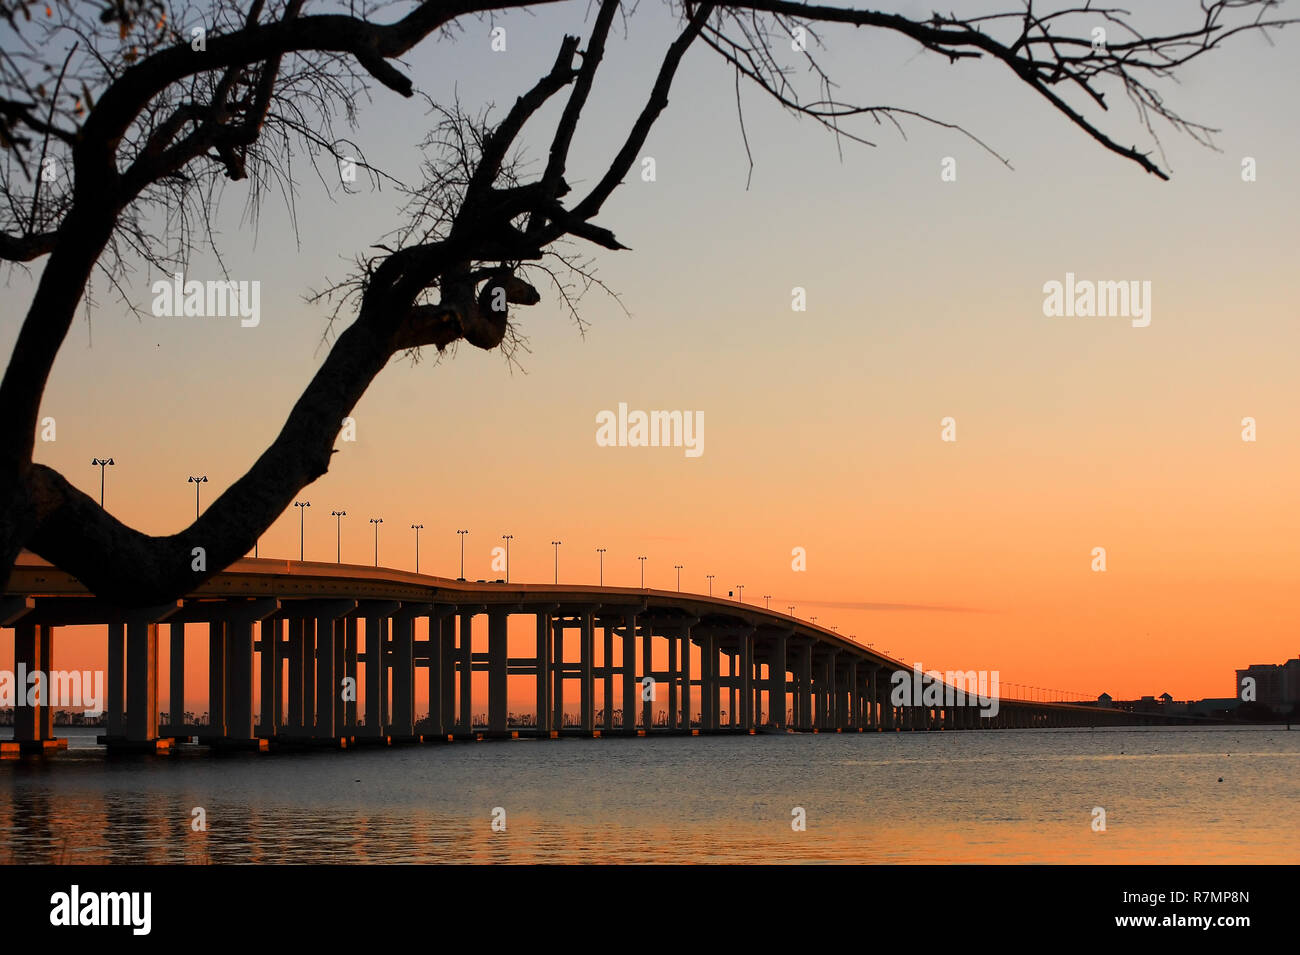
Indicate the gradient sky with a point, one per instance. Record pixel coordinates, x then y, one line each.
822 428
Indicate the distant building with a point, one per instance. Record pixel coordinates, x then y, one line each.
1276 685
1104 700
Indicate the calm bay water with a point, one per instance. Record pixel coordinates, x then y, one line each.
1009 796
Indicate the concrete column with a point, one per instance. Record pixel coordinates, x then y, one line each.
805 715
116 679
545 716
269 638
340 671
854 713
34 653
732 665
434 725
176 666
376 675
350 653
404 674
498 709
141 682
629 673
873 699
239 678
746 656
587 693
557 672
447 628
308 654
672 681
466 672
328 689
685 662
217 684
293 651
650 693
708 683
608 660
776 683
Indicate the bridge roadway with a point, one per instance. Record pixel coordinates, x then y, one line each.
311 626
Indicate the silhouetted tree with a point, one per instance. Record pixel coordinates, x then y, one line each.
147 119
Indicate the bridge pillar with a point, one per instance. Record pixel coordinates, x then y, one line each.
776 683
708 683
376 675
350 667
557 671
853 705
733 665
685 670
239 678
607 659
498 674
293 652
340 671
141 682
330 639
649 693
542 672
217 688
466 722
629 673
447 671
586 658
747 680
176 675
116 679
672 680
400 720
33 653
804 715
270 653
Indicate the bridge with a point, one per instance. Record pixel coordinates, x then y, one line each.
316 629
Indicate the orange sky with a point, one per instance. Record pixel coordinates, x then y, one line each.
822 428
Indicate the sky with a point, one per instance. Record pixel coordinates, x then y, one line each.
822 428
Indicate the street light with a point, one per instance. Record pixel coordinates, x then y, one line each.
642 559
710 576
767 601
556 545
601 552
101 463
678 568
740 589
338 535
791 609
417 528
196 481
507 538
462 534
302 521
376 521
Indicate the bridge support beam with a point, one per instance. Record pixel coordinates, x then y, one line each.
33 653
586 658
376 674
176 676
629 673
649 692
685 665
498 674
271 656
557 671
747 680
466 722
544 715
351 654
607 660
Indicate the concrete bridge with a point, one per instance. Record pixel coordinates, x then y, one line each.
313 627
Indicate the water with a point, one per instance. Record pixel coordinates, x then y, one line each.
1010 796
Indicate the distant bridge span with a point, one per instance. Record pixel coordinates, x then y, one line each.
312 626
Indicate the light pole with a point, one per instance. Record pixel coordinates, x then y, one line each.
101 463
302 522
678 568
556 545
710 576
196 481
601 552
417 528
338 535
740 589
462 534
507 538
791 609
767 601
376 521
642 559
813 619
